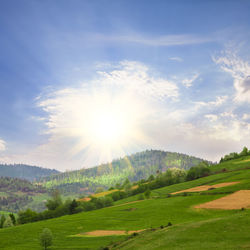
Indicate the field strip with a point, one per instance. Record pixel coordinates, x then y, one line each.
207 187
237 200
100 233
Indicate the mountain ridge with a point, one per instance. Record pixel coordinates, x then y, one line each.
134 167
24 171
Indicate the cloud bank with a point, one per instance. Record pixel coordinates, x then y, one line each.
240 71
152 108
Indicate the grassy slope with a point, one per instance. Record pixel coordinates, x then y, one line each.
148 213
192 228
231 232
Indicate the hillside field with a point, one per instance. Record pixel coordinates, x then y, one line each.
191 228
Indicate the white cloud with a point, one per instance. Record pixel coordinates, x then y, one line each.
176 58
240 71
211 117
204 138
167 40
229 114
219 101
188 82
246 117
2 145
135 77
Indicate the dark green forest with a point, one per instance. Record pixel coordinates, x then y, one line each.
134 167
26 172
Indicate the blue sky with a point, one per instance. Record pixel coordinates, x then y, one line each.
184 65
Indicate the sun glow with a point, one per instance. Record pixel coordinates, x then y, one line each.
101 125
108 126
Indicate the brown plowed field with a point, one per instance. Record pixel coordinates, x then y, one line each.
110 232
206 187
237 200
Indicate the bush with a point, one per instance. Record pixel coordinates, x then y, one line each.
147 193
116 196
198 171
141 197
55 202
27 216
7 222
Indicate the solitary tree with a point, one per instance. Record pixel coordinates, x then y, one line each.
46 238
72 207
3 218
244 152
13 218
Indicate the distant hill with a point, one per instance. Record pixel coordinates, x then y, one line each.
16 194
134 167
26 172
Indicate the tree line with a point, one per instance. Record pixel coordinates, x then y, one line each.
234 155
56 207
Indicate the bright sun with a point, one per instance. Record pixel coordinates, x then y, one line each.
109 121
107 127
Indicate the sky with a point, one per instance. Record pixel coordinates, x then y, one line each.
84 82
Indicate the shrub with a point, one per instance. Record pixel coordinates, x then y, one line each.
141 197
7 222
27 216
55 202
147 193
198 171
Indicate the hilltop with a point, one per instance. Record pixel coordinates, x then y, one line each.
134 167
23 171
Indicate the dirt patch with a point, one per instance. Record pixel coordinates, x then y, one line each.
85 199
237 200
225 184
206 187
97 233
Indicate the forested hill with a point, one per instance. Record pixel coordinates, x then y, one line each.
26 172
15 194
134 167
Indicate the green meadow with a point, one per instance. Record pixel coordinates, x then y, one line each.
191 228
